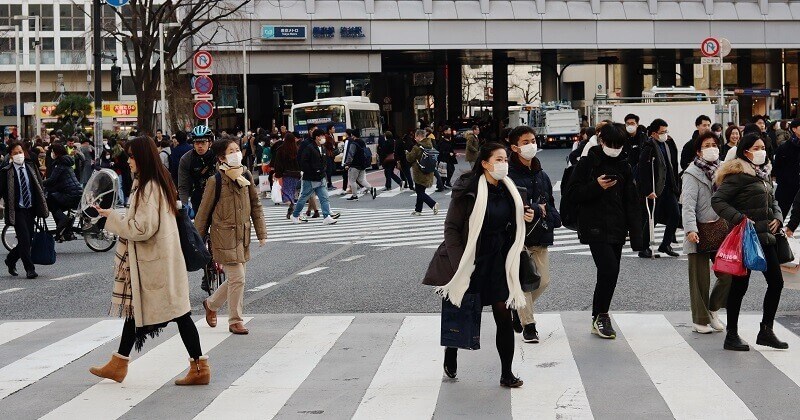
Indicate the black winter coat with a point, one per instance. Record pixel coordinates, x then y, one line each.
62 178
312 163
786 169
649 151
688 152
741 193
386 146
605 216
539 191
447 151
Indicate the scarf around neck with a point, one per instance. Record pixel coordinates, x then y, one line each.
709 169
235 174
458 285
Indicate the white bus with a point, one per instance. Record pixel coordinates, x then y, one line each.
354 112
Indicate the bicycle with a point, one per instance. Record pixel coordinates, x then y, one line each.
98 240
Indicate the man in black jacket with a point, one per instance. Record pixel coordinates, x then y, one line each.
447 154
637 134
688 153
658 181
312 165
786 169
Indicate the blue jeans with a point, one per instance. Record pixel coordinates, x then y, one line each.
306 189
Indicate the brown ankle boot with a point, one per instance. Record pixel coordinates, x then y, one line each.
199 373
116 369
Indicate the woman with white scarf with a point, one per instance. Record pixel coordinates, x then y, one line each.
484 236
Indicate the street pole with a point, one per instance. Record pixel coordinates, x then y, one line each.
98 82
161 76
244 79
37 23
721 90
18 57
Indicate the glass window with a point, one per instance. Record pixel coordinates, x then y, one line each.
366 122
322 115
128 88
7 51
48 51
46 13
109 49
73 51
72 18
109 17
7 13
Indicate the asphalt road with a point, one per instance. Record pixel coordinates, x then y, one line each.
372 261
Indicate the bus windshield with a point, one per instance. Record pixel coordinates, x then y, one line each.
321 115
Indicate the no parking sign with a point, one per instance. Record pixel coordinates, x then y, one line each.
203 110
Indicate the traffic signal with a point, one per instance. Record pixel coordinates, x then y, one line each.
116 80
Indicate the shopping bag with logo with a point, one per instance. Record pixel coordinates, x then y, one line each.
729 258
753 253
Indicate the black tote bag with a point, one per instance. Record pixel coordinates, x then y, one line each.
195 253
461 327
43 247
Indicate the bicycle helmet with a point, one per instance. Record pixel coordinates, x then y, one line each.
202 131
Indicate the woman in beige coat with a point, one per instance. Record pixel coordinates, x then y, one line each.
229 213
151 286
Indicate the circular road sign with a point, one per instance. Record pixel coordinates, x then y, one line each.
117 3
202 60
725 47
203 85
710 47
203 110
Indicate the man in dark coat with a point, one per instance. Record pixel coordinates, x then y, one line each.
658 181
786 169
688 153
637 134
447 154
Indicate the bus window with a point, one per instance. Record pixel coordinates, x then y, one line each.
366 121
322 115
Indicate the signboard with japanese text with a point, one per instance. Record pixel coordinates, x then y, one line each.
283 32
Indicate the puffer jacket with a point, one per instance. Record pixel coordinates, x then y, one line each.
413 158
696 198
742 193
539 191
605 216
230 219
62 178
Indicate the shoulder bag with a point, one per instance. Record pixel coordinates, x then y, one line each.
711 235
529 277
43 247
785 253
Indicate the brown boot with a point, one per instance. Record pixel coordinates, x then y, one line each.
238 329
211 316
116 369
199 373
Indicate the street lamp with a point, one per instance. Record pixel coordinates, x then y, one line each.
37 24
15 28
161 27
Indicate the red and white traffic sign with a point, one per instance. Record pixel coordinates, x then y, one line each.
203 85
710 47
203 110
202 60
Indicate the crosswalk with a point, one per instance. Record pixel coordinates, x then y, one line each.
389 366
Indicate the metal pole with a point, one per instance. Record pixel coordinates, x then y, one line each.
244 78
721 89
98 82
161 75
37 24
17 58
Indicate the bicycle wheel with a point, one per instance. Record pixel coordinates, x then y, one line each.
100 242
9 237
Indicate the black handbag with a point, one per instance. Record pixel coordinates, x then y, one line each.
529 277
461 326
783 248
43 247
194 250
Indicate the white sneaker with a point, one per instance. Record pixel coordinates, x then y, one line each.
329 221
702 329
416 213
716 324
298 220
436 209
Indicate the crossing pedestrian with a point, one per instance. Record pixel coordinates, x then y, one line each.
23 195
330 155
447 155
63 191
525 170
745 190
698 187
702 125
484 236
356 163
195 167
228 209
388 159
312 165
732 136
473 144
786 169
287 168
151 286
603 189
401 149
422 181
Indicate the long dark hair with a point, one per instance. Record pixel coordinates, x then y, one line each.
289 148
144 152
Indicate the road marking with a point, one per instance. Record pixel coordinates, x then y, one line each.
556 390
311 271
13 330
410 375
37 365
557 187
683 378
263 287
353 258
392 193
264 388
11 290
148 373
785 361
71 276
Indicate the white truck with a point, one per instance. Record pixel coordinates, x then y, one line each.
556 124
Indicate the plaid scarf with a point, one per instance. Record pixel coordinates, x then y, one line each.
122 296
762 172
709 169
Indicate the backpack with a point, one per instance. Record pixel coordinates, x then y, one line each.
169 161
428 161
367 157
362 157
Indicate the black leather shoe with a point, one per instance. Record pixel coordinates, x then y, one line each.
510 382
450 362
735 343
668 250
31 275
766 337
646 253
12 269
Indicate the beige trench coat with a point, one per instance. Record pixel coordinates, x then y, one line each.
159 280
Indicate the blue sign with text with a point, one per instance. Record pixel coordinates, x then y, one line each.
291 32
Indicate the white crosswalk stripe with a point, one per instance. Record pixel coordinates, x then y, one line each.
407 375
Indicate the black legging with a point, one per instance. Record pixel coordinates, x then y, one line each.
504 339
186 328
606 258
771 299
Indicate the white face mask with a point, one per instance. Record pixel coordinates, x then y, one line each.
234 159
611 152
53 156
759 157
500 171
528 151
718 133
631 129
662 138
710 154
18 159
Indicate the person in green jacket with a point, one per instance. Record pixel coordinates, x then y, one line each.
473 144
421 179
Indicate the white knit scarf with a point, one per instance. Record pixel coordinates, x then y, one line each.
458 285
